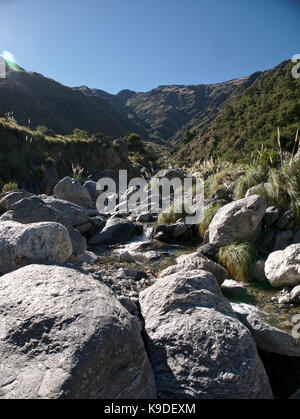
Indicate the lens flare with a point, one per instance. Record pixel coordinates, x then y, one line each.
296 396
10 60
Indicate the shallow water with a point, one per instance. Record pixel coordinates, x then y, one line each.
258 294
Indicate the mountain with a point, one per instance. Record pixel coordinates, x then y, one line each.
198 120
167 112
37 100
250 121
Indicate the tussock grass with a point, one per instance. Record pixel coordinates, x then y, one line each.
237 258
171 217
208 216
254 176
285 186
221 179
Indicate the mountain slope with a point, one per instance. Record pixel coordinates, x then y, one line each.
251 120
165 113
37 100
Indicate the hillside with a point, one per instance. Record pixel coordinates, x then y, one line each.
251 120
164 114
37 100
36 161
222 119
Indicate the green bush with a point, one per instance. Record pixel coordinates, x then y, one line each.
237 258
11 186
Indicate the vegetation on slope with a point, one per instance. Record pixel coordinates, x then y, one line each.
251 120
26 155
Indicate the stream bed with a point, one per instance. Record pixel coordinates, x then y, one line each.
257 294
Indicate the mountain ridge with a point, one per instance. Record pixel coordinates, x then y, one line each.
162 115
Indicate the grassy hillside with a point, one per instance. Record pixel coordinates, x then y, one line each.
28 157
37 100
251 120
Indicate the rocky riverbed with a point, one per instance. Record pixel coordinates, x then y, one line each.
114 306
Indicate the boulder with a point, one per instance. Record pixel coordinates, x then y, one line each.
116 230
210 251
91 187
172 233
238 221
71 190
205 264
282 268
32 210
197 347
272 214
267 338
66 336
22 245
295 295
11 198
171 174
175 269
232 289
144 218
75 214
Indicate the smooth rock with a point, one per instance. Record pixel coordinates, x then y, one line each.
22 245
116 230
238 221
32 210
11 198
66 336
196 345
267 338
204 264
258 270
210 251
282 268
232 289
71 190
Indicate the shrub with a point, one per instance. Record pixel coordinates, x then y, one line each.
208 216
254 176
237 258
285 186
9 187
42 129
78 173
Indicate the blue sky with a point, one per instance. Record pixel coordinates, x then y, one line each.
141 44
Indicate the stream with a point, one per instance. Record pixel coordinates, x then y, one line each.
257 294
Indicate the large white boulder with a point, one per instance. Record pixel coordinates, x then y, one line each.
71 190
65 335
22 245
238 221
196 345
282 268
